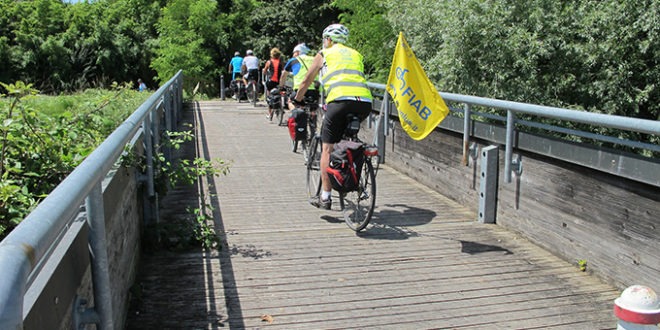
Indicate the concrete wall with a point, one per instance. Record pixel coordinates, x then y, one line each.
123 216
68 271
572 211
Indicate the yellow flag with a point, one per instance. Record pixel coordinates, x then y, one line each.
420 106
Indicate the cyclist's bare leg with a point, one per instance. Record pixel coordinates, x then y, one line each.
290 105
325 162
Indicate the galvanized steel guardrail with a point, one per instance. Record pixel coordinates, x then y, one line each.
24 248
513 108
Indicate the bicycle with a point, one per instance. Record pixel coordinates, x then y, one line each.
251 87
279 99
357 206
310 106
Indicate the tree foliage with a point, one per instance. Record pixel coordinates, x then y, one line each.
370 33
595 55
188 34
284 24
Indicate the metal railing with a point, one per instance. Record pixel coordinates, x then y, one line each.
513 108
29 244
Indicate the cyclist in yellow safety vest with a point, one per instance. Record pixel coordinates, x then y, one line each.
342 76
298 66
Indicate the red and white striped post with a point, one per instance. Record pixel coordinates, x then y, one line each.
638 308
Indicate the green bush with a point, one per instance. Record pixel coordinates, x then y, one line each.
43 138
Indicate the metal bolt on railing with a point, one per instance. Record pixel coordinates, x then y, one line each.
638 308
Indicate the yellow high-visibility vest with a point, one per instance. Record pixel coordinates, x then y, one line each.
344 75
305 62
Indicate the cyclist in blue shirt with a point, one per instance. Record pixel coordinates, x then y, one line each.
298 66
235 65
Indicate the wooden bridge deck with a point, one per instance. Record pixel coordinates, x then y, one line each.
424 263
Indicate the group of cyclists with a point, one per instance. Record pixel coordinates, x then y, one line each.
340 71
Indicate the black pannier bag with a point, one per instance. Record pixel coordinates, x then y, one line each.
297 124
274 98
238 89
346 161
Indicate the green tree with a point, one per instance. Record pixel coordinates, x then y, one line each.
284 24
370 33
594 55
188 34
33 47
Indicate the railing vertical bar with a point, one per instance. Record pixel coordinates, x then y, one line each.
98 247
168 122
383 128
149 153
466 133
156 122
510 125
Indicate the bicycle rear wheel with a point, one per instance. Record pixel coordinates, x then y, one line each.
252 93
280 115
305 149
358 206
314 168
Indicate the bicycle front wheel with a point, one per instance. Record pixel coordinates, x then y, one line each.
358 206
313 164
280 117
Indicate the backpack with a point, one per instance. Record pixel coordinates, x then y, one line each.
297 124
346 161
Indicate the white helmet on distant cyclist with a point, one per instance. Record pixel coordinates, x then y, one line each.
302 48
336 33
249 52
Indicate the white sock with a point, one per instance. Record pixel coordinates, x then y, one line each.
325 195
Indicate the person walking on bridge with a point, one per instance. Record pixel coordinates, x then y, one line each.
342 76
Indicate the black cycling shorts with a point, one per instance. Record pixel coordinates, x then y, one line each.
334 122
253 74
271 84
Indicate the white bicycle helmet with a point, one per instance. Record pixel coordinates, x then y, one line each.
249 52
336 33
302 48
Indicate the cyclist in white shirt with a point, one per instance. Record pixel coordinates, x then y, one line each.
250 67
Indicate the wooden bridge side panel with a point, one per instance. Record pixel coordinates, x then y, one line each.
574 212
611 223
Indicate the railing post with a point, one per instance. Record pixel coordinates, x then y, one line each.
167 151
508 151
222 87
149 152
466 133
98 247
381 128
